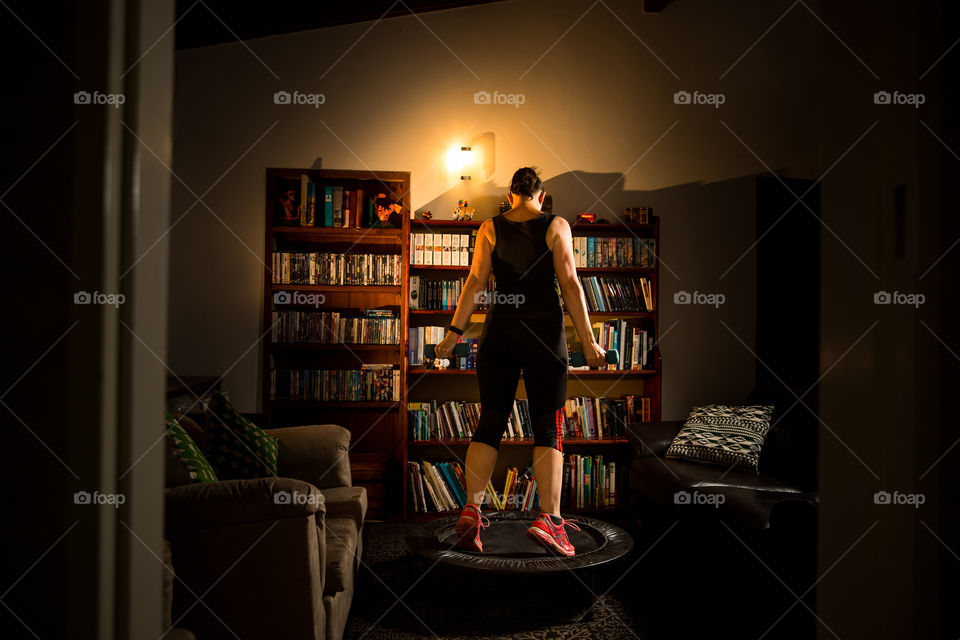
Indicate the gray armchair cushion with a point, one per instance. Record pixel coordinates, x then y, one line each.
318 454
346 502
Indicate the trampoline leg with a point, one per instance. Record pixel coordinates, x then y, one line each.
591 588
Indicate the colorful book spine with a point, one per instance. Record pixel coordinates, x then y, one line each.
328 206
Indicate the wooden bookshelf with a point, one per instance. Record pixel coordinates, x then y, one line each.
382 427
378 427
426 384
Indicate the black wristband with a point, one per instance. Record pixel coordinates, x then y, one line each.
459 332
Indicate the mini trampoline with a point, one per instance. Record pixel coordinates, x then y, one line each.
508 552
506 548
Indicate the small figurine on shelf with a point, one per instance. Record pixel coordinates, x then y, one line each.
426 215
463 211
387 212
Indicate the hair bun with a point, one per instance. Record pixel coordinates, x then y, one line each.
526 182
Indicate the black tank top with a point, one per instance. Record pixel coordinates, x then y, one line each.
526 283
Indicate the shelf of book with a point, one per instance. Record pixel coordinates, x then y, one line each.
437 372
419 224
579 228
623 264
582 228
479 316
581 270
340 288
332 404
390 237
333 346
585 511
579 373
356 216
589 484
517 441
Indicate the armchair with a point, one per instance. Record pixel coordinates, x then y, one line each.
254 566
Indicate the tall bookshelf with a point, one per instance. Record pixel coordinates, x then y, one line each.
377 426
425 384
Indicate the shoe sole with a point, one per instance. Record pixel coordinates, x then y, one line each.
546 541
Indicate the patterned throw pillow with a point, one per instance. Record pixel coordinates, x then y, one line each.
238 448
724 435
187 453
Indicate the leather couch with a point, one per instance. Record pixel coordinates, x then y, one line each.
250 565
782 495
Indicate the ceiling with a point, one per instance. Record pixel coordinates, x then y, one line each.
203 23
210 22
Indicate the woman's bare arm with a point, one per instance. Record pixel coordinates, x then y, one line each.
479 275
560 241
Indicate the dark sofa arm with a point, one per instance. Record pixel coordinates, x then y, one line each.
208 505
318 454
652 438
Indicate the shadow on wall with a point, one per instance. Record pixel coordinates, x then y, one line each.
707 250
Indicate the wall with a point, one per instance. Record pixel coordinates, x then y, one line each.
598 118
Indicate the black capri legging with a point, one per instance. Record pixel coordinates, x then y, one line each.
538 347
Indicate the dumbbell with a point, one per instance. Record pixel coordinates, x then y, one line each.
577 359
461 349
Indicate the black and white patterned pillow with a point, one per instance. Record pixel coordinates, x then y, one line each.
724 435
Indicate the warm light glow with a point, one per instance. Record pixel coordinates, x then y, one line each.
460 161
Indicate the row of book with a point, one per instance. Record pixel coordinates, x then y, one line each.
370 383
441 486
442 295
634 342
373 326
614 251
456 249
611 293
305 203
420 337
581 417
591 483
442 249
291 267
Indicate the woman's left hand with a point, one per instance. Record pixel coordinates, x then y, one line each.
445 348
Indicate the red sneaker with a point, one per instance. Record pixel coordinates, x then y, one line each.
552 536
469 524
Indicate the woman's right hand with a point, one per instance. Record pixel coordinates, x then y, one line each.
594 355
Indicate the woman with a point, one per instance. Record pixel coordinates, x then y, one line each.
529 252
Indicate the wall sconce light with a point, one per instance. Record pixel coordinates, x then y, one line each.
466 160
461 161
